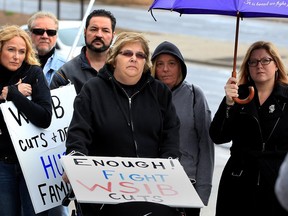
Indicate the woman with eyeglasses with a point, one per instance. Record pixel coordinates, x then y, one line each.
20 77
258 131
125 112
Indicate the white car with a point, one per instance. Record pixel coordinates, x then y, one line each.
67 33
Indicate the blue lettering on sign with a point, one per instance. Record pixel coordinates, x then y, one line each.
51 165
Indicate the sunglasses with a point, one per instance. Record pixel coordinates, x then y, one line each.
129 53
38 31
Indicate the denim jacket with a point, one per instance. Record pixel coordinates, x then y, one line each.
52 65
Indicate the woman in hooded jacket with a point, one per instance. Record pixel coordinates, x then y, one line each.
196 146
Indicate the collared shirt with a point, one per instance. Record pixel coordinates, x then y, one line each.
52 65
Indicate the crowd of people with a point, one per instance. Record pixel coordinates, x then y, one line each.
132 102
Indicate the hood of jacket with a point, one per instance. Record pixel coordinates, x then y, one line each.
169 48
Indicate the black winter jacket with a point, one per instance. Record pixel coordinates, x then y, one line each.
38 110
77 71
259 136
107 122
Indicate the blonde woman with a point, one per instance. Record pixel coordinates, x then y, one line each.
20 76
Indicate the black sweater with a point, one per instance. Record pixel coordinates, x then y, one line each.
107 122
38 110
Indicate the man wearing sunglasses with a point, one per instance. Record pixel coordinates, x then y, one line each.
43 27
99 33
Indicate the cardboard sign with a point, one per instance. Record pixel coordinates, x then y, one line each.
39 150
112 180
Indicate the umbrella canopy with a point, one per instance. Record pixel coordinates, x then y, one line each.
237 8
247 8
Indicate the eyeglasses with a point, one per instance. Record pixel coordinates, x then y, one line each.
38 31
263 61
129 53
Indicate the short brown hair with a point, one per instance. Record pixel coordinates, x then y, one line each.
124 38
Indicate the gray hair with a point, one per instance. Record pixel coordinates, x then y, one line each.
42 14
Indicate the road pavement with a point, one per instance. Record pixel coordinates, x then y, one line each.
197 49
206 51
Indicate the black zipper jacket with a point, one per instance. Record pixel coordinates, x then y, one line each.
77 71
108 122
259 136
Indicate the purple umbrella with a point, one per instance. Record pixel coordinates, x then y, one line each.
237 8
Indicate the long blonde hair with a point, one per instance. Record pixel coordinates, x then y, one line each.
8 32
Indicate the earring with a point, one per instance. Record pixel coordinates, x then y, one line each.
276 75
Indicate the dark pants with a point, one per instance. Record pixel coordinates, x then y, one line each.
14 196
192 211
129 209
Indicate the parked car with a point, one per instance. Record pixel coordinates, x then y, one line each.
68 30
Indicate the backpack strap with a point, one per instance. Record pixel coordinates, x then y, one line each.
194 93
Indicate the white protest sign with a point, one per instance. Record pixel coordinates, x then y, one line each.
39 150
112 180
